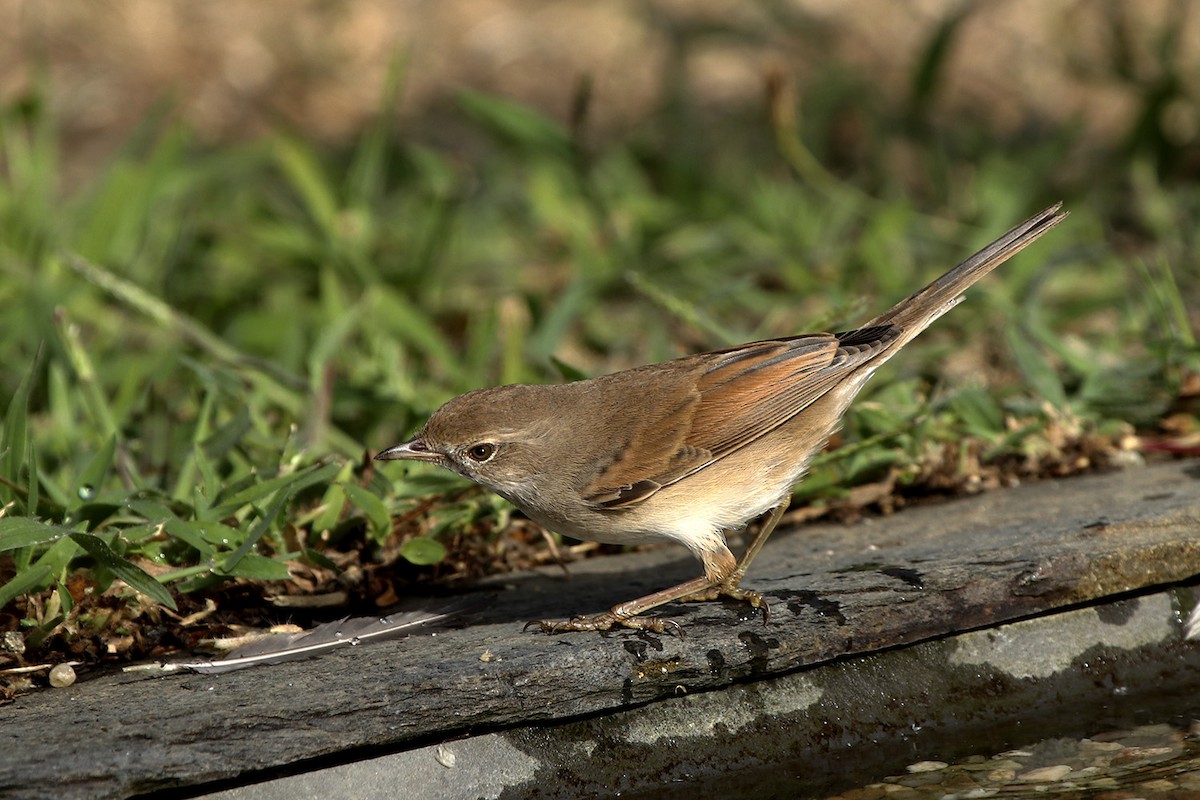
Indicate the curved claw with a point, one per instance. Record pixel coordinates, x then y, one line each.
676 628
667 627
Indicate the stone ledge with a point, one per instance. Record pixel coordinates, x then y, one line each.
822 729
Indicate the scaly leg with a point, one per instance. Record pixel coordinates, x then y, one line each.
731 586
720 579
627 613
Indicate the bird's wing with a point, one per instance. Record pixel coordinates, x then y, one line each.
742 394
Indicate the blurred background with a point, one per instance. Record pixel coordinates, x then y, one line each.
1121 74
243 245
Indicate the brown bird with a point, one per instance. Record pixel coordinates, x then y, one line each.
687 449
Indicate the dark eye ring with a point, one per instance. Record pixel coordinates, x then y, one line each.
482 452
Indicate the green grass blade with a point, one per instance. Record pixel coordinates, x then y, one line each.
295 482
20 532
516 124
95 475
365 178
307 177
132 574
30 580
1036 369
375 509
281 500
16 433
252 566
33 496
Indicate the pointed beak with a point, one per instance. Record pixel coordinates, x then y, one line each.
412 450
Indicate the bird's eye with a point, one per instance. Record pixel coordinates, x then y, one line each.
481 452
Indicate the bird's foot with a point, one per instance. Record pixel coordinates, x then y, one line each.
755 599
604 622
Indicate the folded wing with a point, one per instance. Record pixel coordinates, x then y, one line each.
744 393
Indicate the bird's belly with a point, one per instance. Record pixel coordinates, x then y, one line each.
694 511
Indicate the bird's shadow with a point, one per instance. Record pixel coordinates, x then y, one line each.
588 588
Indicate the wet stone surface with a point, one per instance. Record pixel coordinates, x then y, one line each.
1160 761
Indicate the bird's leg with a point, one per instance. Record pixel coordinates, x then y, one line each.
768 526
628 613
718 563
731 586
722 576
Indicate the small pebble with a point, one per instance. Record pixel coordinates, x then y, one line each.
62 676
927 766
1045 774
13 642
1002 775
1132 755
444 756
1159 785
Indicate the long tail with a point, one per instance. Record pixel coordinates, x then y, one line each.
916 312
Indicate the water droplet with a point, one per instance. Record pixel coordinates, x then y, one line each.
86 492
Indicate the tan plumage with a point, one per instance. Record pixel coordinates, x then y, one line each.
683 450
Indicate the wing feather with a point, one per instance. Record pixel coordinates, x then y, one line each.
742 394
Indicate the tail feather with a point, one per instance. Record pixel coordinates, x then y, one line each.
916 312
